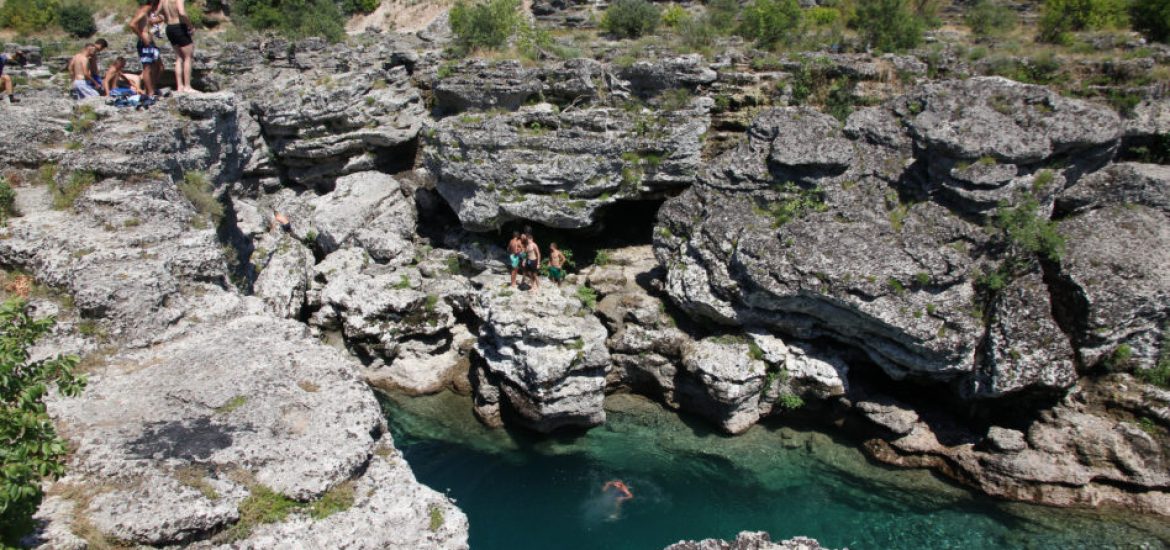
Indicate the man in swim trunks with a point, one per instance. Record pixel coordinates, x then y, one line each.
532 260
95 73
79 71
179 31
556 264
6 86
115 77
623 491
515 255
148 53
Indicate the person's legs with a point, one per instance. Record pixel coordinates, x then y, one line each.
6 84
179 62
187 53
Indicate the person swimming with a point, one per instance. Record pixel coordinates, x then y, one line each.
621 493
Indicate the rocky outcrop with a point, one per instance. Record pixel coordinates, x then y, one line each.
1113 277
1075 454
747 540
847 240
560 168
544 357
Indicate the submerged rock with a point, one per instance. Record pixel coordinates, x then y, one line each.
748 540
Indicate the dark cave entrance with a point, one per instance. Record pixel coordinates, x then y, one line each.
620 225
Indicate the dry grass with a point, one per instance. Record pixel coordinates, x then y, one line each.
82 495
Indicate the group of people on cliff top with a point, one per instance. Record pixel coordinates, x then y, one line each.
152 19
524 259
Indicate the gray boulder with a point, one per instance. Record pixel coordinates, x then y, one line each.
369 210
748 540
544 356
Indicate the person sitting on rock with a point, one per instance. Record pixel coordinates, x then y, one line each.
95 73
515 255
79 71
6 86
116 77
532 260
556 264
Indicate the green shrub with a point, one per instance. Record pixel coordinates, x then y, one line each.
790 402
722 14
674 16
602 258
30 450
196 14
359 6
588 297
1061 17
7 201
485 24
769 22
293 18
28 16
630 18
990 18
1027 230
77 19
889 25
1152 18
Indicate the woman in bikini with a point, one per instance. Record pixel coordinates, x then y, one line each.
179 31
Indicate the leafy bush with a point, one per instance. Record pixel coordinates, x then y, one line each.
30 449
721 15
359 6
1061 17
7 201
293 18
28 16
889 25
196 14
1152 18
1026 230
769 22
990 18
674 16
588 297
486 24
630 18
822 16
77 19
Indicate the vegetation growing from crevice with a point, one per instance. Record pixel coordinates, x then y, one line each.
7 202
198 190
263 506
66 193
796 202
30 449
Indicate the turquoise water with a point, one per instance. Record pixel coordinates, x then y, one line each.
525 491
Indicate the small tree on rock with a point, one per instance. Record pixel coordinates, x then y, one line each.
889 25
30 449
631 18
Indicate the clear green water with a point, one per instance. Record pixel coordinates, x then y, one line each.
525 491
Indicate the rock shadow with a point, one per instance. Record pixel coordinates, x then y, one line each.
190 440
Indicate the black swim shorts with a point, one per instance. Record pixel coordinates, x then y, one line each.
179 35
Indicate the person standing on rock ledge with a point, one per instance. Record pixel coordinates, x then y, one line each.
515 255
532 260
148 53
179 31
556 264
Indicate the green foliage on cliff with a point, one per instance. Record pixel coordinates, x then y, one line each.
485 24
293 18
889 25
28 16
1152 18
1060 17
631 18
770 22
30 450
1027 230
77 19
990 18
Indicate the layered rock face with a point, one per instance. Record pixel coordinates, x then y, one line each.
558 164
905 235
857 235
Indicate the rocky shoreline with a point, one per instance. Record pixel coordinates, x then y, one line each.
862 273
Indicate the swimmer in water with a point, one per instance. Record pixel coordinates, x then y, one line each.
624 493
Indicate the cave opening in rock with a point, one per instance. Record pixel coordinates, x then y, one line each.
621 225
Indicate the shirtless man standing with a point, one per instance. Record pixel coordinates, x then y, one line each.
515 255
148 53
179 31
532 260
79 71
